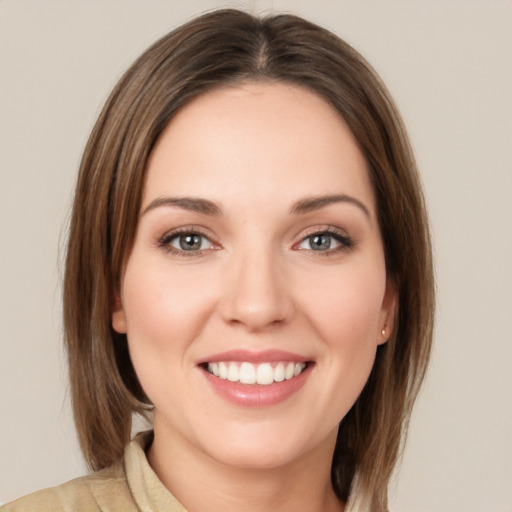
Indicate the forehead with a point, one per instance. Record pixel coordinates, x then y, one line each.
257 141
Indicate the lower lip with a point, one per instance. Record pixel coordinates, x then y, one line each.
254 395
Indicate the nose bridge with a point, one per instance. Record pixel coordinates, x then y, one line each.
256 290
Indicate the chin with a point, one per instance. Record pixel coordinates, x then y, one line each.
254 457
260 448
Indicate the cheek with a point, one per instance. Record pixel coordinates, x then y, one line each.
163 302
348 305
346 316
165 312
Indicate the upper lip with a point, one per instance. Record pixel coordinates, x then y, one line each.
250 356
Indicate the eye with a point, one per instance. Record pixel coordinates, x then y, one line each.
190 242
319 242
325 241
187 242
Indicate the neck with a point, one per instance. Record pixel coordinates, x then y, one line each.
202 483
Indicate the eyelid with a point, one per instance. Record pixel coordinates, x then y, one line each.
321 228
164 241
345 241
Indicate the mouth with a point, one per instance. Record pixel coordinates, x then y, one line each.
262 374
256 379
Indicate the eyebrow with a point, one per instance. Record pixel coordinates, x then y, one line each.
204 206
193 204
310 204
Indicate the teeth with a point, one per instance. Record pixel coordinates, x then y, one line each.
214 368
279 372
233 373
223 371
263 374
247 373
289 371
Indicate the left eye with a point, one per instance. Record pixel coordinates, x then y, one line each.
190 242
320 242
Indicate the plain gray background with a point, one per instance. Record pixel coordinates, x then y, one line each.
448 65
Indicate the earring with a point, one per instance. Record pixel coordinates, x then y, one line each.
383 332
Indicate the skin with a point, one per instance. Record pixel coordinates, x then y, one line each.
257 282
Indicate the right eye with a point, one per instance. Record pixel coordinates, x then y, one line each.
188 242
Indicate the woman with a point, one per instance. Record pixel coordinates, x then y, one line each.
248 262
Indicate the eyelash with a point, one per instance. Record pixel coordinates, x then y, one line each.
165 242
345 242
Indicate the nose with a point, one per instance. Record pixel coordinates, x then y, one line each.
256 292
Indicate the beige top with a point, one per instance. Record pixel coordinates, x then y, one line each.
129 486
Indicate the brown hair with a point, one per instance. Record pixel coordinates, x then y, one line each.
223 48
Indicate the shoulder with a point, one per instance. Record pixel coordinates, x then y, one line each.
105 490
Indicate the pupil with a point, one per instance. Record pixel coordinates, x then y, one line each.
190 242
320 242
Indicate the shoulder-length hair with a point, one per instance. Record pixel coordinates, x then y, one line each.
225 48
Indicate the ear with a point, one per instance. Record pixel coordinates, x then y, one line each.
118 314
387 313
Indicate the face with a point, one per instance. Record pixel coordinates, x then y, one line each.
255 294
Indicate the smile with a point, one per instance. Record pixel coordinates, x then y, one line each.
263 374
256 379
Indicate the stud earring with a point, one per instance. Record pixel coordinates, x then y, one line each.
383 332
